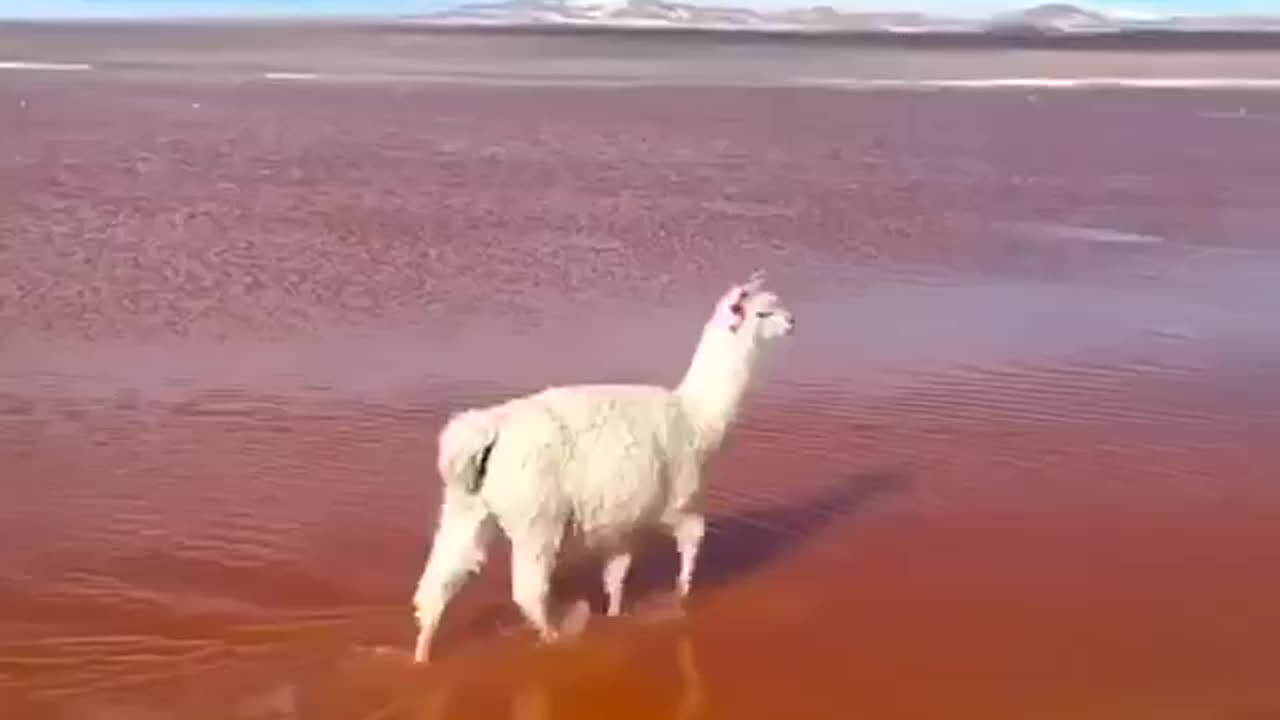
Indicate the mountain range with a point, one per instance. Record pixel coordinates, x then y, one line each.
1047 19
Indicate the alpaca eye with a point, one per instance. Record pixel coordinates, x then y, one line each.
764 314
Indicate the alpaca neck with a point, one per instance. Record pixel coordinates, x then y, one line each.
714 384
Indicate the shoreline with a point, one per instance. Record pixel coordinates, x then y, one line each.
408 51
1170 39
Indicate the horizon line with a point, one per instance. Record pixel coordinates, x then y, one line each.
399 9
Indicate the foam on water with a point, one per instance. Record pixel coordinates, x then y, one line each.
1049 83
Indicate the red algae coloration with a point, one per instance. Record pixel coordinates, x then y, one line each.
1019 460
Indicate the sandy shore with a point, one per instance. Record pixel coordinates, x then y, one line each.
1019 461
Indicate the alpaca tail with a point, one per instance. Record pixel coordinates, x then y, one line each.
466 442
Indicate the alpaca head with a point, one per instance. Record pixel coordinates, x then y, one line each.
748 310
746 317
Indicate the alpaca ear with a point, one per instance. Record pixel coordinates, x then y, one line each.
740 293
737 308
735 300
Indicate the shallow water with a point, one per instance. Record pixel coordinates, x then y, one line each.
1017 461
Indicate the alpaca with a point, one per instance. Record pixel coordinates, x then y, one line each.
603 461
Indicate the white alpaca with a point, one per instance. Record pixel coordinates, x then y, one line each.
600 460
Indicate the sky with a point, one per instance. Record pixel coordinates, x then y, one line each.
161 8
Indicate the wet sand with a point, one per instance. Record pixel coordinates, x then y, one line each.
1019 460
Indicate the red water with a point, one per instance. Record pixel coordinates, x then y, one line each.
1019 460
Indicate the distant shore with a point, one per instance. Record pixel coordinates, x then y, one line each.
417 48
1159 39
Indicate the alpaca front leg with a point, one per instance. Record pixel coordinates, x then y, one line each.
615 576
688 530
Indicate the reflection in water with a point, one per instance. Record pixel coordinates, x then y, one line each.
513 679
546 691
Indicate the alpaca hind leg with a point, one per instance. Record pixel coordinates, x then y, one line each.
532 560
615 576
457 552
688 530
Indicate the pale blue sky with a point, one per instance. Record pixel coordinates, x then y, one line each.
157 8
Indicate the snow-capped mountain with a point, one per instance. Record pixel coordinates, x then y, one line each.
1055 18
603 12
1049 19
671 13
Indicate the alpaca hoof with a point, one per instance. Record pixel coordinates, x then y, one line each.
421 654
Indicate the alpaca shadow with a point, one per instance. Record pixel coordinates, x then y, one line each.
742 544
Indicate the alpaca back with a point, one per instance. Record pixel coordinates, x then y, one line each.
607 458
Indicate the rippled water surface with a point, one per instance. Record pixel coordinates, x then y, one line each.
1018 461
